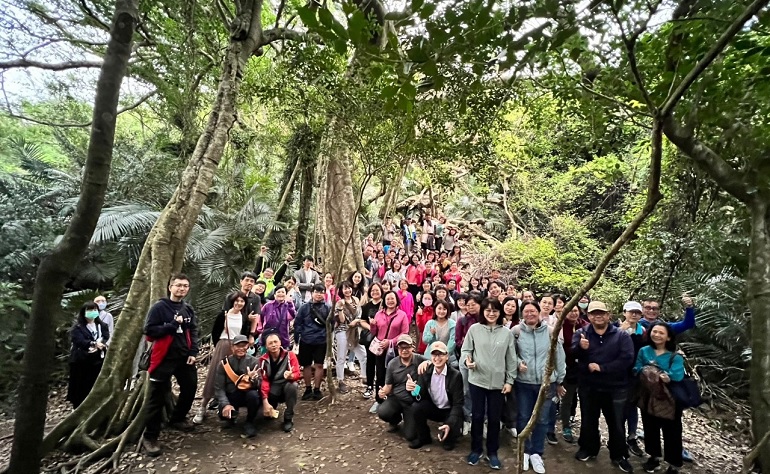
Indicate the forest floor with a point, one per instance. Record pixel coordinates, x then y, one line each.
344 438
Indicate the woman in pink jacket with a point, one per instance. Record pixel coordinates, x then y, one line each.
389 323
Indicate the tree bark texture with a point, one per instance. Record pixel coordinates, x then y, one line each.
54 270
162 255
758 283
308 142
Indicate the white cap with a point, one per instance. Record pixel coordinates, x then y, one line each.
632 306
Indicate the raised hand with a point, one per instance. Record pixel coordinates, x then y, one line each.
583 342
410 384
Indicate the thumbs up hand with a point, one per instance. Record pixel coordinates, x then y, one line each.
583 342
410 384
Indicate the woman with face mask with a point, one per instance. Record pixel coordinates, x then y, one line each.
89 344
105 316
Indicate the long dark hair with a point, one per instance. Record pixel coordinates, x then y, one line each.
670 344
87 306
360 289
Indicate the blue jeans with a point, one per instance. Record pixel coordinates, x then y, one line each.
466 392
632 418
489 403
526 395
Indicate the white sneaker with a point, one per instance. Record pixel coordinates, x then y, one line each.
466 428
374 407
198 418
351 366
513 432
525 464
537 464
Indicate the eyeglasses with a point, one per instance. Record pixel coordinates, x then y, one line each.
404 348
653 308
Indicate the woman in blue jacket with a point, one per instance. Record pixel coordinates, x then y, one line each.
669 367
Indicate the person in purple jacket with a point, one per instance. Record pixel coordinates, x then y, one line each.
604 355
277 314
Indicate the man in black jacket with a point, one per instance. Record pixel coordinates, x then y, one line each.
171 324
604 354
440 398
231 396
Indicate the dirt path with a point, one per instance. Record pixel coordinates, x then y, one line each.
346 439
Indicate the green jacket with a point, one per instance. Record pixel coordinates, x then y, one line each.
493 350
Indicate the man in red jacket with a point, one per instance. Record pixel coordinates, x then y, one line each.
280 373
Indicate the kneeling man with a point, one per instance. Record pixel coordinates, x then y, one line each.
235 385
439 397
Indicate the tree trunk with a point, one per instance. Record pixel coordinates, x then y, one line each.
162 255
273 241
758 284
309 161
340 236
54 270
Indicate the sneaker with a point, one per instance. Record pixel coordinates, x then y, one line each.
513 432
651 465
343 388
551 438
374 408
152 447
525 463
466 428
566 433
200 416
686 456
249 430
352 366
473 458
368 392
672 470
494 462
213 404
288 425
308 394
623 465
182 425
634 448
582 455
537 464
317 395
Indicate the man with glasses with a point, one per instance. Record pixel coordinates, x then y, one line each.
439 397
397 400
651 315
172 327
604 354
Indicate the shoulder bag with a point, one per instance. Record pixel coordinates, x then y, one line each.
686 392
375 347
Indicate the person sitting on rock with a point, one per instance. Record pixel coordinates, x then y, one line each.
280 373
439 398
235 385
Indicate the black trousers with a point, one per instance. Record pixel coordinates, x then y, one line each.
287 395
380 366
612 405
393 410
510 412
244 398
371 365
187 378
672 437
425 410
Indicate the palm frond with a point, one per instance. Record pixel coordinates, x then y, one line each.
123 220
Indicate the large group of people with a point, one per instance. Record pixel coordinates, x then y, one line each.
476 366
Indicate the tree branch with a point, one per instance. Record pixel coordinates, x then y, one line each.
728 177
721 43
29 63
275 34
136 104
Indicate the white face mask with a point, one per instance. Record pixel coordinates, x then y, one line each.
101 306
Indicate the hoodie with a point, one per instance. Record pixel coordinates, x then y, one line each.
532 347
161 327
493 350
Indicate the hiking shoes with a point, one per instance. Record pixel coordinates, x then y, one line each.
317 395
288 425
566 433
623 465
368 392
308 394
152 447
634 448
494 462
473 458
583 455
651 465
551 438
249 430
343 388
